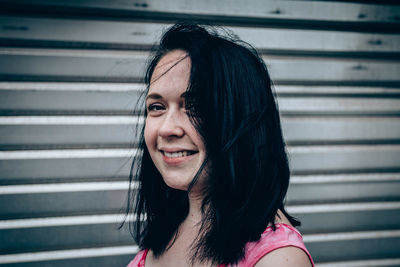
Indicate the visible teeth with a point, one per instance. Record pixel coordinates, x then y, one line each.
176 154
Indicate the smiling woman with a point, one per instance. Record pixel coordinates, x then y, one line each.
214 172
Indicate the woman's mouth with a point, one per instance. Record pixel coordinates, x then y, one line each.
178 154
177 157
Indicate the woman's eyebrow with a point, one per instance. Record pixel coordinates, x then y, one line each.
153 96
158 96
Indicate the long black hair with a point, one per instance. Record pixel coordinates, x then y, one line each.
230 102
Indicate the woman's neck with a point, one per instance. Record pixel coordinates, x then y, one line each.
195 202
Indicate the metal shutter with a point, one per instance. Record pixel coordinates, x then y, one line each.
71 71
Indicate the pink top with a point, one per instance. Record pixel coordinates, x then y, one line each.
284 236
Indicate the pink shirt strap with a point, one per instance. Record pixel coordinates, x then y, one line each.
139 259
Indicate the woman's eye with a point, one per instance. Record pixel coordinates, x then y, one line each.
154 107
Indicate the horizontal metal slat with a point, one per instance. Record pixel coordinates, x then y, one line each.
61 237
344 207
359 235
63 221
321 105
341 158
316 42
62 33
73 86
56 203
344 217
66 154
138 87
344 177
83 131
342 191
348 221
157 9
68 164
50 30
68 254
64 187
117 260
315 90
66 66
363 263
340 129
64 102
336 72
72 65
354 246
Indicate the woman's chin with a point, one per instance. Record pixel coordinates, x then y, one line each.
177 184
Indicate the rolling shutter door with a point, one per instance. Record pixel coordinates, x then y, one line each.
71 73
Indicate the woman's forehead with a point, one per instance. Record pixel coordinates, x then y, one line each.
174 59
171 73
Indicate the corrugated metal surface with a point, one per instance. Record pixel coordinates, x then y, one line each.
71 73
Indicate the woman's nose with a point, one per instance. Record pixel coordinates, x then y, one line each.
171 125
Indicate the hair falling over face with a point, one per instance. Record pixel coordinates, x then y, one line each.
215 129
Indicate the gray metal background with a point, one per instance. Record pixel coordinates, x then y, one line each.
71 73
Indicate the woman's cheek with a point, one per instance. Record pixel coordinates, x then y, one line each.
148 133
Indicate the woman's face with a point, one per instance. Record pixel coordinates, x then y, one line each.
175 146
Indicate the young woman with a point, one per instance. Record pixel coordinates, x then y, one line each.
214 172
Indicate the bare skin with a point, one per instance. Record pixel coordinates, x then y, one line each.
285 257
179 253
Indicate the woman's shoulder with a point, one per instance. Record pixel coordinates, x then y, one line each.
285 257
285 242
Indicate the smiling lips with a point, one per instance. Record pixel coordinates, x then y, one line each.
177 157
